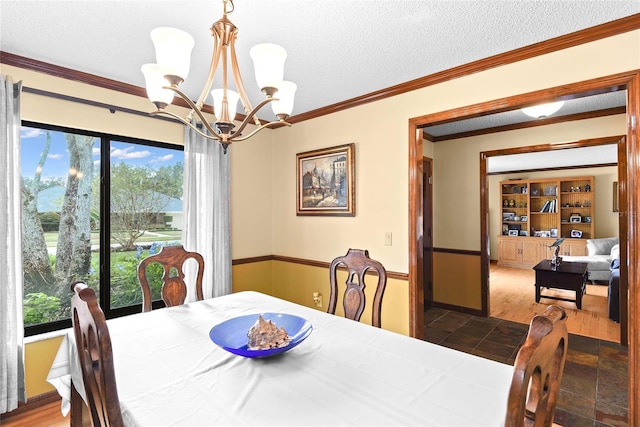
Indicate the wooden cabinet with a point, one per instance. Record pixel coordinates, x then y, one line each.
520 251
573 247
537 212
525 252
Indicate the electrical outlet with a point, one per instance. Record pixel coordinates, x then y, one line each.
317 299
388 237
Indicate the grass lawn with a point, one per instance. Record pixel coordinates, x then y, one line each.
51 237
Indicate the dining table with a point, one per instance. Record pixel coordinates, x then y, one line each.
345 373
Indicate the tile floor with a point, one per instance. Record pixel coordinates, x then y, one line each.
594 390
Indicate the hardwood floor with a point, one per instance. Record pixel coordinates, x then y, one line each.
512 297
47 415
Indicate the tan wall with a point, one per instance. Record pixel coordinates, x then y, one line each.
297 282
455 274
379 131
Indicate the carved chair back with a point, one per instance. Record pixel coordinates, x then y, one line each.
538 371
95 356
357 263
174 289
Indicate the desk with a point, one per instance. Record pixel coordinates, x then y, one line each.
345 373
570 276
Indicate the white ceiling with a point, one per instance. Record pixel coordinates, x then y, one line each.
338 49
594 155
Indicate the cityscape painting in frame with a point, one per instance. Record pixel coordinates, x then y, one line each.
325 182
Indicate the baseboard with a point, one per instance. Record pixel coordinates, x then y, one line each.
458 308
31 404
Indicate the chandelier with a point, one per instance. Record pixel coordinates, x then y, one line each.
173 53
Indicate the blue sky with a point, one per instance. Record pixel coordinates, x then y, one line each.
57 163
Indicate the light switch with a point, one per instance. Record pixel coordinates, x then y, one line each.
387 238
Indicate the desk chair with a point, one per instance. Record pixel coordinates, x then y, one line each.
174 289
538 371
95 357
357 263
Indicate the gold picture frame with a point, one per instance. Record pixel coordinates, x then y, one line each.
325 182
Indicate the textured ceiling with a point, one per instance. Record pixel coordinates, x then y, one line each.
337 50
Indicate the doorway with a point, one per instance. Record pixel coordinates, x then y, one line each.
427 226
511 301
576 90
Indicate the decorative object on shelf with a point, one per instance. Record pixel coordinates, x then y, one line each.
326 182
524 190
514 232
576 234
550 190
535 192
587 188
524 218
523 233
586 219
586 204
512 203
542 111
505 203
575 218
515 190
173 53
553 232
545 233
556 259
508 216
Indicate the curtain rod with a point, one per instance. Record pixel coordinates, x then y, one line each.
111 108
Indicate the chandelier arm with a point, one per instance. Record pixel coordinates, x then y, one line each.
237 77
214 135
267 125
193 107
251 114
215 58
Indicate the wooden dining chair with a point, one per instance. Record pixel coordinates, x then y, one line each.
357 263
174 289
538 371
96 358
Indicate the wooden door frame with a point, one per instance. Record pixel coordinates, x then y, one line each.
631 201
428 161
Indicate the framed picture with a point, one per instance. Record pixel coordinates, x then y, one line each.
513 232
575 219
505 229
545 233
586 219
553 232
576 233
523 218
523 233
325 182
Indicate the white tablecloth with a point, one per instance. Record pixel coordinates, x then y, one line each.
169 373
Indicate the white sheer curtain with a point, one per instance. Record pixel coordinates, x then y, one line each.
206 199
12 387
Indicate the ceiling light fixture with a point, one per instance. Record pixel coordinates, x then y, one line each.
543 110
173 53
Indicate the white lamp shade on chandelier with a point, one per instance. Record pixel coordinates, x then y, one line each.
232 103
286 92
173 56
155 85
268 61
543 110
173 50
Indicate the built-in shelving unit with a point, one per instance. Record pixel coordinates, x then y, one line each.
537 212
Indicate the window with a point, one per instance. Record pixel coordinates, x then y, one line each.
75 204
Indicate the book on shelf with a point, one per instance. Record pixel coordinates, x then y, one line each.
550 206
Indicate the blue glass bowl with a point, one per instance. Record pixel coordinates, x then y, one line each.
231 334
